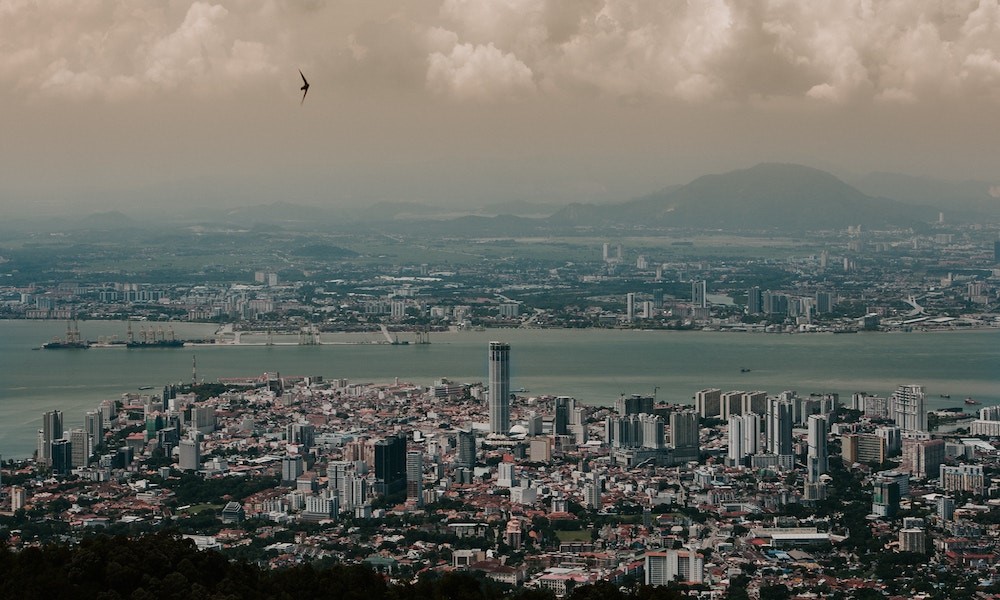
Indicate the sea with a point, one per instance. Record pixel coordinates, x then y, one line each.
593 365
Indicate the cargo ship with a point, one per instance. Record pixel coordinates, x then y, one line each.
72 341
156 344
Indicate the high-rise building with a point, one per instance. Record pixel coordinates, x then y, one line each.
863 448
291 468
390 464
415 475
708 402
779 429
885 498
923 458
736 454
755 402
52 430
560 423
699 294
907 408
630 306
499 395
912 539
744 437
731 403
93 424
62 457
82 449
663 568
466 449
755 301
824 302
816 457
190 455
945 508
684 435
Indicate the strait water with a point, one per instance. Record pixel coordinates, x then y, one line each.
595 366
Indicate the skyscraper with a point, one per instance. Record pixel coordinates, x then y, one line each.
907 409
499 398
684 435
415 475
82 449
560 423
52 430
816 458
390 464
779 431
708 402
630 306
93 423
699 294
466 449
755 301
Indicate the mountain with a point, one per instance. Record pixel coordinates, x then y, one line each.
962 196
767 196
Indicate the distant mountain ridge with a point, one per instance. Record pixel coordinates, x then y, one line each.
766 196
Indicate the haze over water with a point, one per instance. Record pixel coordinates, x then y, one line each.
595 366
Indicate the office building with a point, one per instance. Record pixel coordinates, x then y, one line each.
390 464
499 394
62 457
816 457
52 430
466 450
885 498
560 423
190 455
415 475
907 408
82 448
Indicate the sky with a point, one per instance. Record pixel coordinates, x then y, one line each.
169 105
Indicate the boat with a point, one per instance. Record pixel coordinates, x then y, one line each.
945 395
971 402
145 387
66 345
744 370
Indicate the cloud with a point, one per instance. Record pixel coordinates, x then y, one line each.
478 72
813 51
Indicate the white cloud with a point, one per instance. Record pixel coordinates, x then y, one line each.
478 72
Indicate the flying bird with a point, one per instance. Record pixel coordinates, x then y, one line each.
304 88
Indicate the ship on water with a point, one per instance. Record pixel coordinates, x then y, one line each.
152 338
72 341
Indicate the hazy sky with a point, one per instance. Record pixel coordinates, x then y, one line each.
124 104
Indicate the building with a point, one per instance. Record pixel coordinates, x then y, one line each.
816 457
82 448
466 450
824 302
863 448
907 408
962 478
744 438
415 475
885 498
755 402
189 455
755 301
923 458
699 294
390 464
93 424
630 306
779 431
291 468
52 430
233 513
61 457
662 568
945 508
499 394
18 498
684 436
731 403
560 423
913 540
708 402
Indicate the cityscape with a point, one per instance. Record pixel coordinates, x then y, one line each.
500 300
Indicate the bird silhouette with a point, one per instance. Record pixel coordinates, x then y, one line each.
304 88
